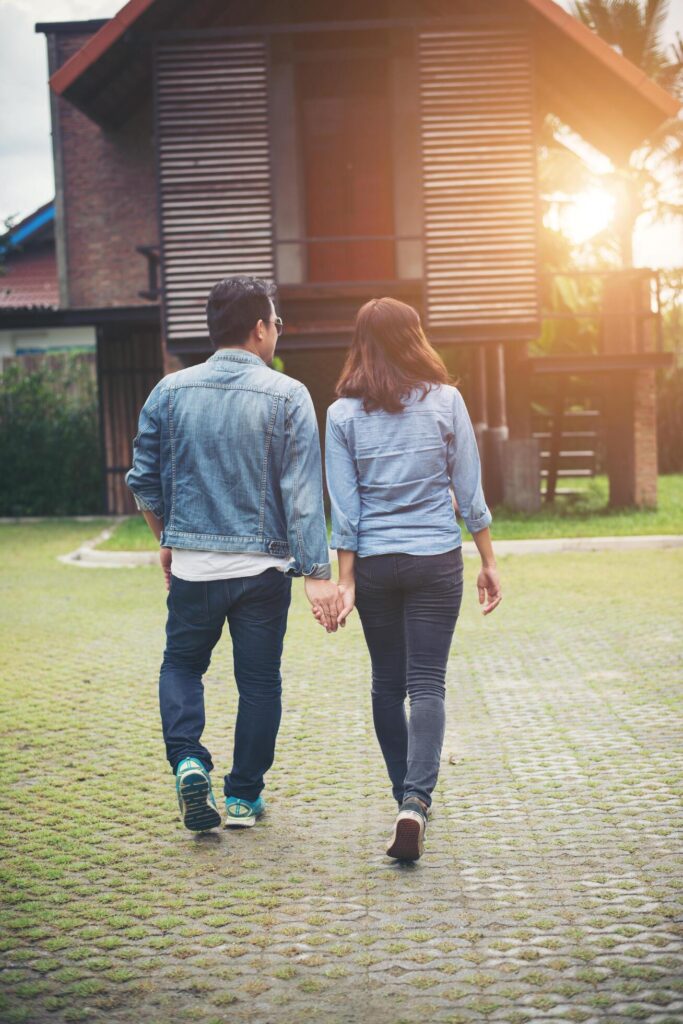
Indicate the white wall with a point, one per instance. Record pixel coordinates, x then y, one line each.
45 339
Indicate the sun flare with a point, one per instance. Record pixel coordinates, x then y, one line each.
582 215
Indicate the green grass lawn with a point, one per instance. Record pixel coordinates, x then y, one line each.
584 515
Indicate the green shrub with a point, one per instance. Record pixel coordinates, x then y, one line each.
49 438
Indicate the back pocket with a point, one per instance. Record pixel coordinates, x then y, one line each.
189 601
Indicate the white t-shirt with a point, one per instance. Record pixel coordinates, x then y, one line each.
199 566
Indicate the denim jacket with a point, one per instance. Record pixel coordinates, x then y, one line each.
227 454
389 475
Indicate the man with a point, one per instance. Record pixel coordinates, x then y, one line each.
227 472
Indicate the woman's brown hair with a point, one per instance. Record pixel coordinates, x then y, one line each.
389 357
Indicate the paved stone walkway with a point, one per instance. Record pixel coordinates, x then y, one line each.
88 556
551 886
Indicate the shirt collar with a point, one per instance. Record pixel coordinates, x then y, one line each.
237 355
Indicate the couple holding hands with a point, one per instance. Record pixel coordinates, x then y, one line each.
227 472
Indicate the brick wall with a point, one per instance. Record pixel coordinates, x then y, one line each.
109 196
631 435
645 439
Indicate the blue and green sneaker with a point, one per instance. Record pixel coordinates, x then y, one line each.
196 800
240 813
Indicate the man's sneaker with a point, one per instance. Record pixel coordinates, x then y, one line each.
195 798
407 842
240 813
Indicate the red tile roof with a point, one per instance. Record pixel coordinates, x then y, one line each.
28 280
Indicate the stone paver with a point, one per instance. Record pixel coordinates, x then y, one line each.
551 887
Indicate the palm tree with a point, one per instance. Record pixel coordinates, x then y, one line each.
634 27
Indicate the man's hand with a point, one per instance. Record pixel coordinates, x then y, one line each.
165 555
348 596
326 599
490 593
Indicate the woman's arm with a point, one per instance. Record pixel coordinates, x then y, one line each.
465 474
347 583
342 485
488 581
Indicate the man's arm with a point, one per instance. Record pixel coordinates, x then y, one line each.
144 478
302 498
165 554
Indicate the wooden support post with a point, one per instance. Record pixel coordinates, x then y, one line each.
478 411
556 438
497 431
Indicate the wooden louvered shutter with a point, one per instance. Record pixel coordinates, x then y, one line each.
214 171
478 160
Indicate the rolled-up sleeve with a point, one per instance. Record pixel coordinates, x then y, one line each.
342 485
144 478
465 470
301 486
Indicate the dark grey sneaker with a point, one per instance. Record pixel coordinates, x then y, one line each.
407 842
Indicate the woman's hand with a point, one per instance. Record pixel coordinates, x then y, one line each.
347 593
488 585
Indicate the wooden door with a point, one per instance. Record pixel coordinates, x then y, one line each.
128 367
346 145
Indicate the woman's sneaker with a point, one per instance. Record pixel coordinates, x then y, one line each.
240 813
407 842
195 798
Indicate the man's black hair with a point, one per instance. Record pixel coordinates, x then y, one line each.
234 307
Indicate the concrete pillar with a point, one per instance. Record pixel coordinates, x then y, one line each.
521 453
521 468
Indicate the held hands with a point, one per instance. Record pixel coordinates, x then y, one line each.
331 605
488 585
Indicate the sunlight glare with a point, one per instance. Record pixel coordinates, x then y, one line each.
581 216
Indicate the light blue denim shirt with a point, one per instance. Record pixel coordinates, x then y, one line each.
389 475
227 454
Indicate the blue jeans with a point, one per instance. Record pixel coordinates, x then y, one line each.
408 606
256 610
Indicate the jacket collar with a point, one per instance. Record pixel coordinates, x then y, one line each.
236 355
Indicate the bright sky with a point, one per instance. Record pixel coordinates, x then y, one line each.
26 179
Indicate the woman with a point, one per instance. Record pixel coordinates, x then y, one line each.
398 439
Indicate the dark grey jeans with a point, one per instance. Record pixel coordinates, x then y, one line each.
408 606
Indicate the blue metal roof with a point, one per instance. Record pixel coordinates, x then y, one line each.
29 226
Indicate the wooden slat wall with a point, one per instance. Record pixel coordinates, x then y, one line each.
214 169
478 159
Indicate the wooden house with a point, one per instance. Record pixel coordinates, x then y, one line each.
346 150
